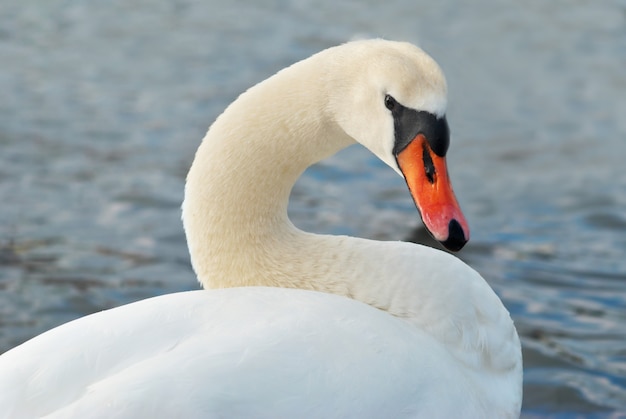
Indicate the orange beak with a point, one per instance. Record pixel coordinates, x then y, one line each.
426 175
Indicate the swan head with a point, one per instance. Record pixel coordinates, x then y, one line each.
392 99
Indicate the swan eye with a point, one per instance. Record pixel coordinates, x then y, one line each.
390 102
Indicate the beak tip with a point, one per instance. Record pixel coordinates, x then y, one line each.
456 237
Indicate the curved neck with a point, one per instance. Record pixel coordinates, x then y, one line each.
237 190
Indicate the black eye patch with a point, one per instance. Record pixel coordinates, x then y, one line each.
408 123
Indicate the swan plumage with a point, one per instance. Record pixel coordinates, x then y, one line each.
297 324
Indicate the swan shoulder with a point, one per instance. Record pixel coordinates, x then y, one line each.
433 290
439 294
235 352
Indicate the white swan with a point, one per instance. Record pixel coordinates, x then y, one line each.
421 334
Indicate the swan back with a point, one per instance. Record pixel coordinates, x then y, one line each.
332 351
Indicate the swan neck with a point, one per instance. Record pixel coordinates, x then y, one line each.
238 187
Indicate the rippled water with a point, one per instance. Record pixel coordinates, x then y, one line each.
104 103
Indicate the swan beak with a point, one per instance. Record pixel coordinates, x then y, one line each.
426 175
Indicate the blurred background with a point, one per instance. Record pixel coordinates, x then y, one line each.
103 104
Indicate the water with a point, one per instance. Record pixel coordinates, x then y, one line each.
104 103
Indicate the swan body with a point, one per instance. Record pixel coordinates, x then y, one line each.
296 324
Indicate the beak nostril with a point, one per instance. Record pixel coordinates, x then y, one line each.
456 238
429 166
